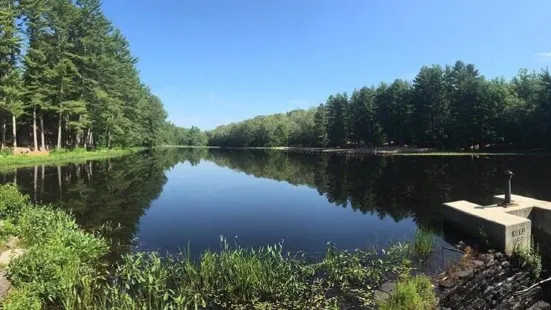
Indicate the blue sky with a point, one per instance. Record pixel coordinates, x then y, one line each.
218 61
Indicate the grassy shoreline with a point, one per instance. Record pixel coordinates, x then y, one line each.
24 160
63 267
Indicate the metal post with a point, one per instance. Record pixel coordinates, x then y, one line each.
508 193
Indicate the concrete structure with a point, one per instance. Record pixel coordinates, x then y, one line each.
505 228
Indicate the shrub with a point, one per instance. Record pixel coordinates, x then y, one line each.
56 151
412 293
12 202
530 258
6 152
58 251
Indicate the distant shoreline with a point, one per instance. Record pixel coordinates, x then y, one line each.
384 151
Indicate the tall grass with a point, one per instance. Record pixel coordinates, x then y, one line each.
239 278
423 243
412 293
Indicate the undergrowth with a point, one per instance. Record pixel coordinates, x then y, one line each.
412 293
529 257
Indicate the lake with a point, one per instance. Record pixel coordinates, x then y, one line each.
171 199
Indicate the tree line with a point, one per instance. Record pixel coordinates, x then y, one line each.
68 79
450 107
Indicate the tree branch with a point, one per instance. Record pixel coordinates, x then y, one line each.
533 286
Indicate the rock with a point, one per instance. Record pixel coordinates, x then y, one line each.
380 296
478 263
7 256
540 305
12 242
388 287
467 272
5 285
490 286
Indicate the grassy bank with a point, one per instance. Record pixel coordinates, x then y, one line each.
63 267
60 157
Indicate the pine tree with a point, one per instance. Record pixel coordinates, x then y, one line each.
337 119
11 86
320 126
35 64
430 114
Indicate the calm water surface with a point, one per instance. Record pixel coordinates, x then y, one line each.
171 199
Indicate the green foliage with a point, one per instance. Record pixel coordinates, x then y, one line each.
530 258
423 243
58 252
12 202
412 293
22 299
174 135
75 83
451 107
239 278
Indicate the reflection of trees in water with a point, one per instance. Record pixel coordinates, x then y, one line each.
115 191
398 187
120 190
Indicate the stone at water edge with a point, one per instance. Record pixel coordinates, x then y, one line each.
540 305
388 287
380 296
7 256
5 285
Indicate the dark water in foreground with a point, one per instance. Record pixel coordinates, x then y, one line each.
168 199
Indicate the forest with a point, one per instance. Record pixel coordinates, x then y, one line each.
69 79
450 107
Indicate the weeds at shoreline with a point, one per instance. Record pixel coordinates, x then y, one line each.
423 244
412 293
530 258
63 267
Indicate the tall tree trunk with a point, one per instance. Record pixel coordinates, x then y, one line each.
91 142
108 138
35 139
59 180
85 138
42 182
78 139
42 140
14 129
59 128
15 176
35 176
3 131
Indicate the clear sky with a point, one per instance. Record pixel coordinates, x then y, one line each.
219 61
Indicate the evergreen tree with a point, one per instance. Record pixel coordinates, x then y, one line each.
337 119
430 114
11 87
320 125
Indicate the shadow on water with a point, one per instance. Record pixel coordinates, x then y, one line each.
119 191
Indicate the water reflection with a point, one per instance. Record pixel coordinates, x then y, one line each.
120 191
